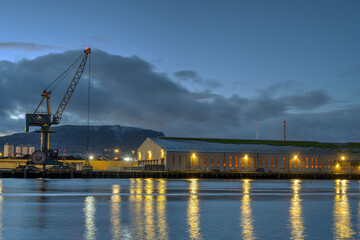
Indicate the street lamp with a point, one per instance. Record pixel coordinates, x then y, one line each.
193 161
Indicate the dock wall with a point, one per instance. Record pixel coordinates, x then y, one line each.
176 175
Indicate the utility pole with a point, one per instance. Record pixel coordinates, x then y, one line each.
284 130
257 130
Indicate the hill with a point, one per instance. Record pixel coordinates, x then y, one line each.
73 138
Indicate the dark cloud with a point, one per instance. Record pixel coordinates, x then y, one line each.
192 76
308 101
127 91
27 46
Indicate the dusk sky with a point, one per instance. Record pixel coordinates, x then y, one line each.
190 68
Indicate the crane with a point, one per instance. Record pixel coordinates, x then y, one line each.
47 156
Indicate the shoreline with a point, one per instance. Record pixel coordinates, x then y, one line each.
176 175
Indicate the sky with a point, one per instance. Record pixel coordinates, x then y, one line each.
189 68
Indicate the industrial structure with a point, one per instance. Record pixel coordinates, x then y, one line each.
10 151
229 155
23 150
44 120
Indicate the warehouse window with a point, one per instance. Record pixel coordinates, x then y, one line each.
248 161
212 161
242 162
254 161
302 163
173 160
316 162
284 162
276 162
230 161
325 162
218 161
179 160
272 162
266 162
198 161
236 161
260 160
307 162
319 162
289 162
186 161
312 162
295 160
224 160
205 161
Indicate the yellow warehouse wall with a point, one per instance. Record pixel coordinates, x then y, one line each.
97 165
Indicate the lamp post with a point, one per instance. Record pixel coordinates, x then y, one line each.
246 158
116 154
192 160
343 161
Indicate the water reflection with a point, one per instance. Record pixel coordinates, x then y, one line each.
296 218
342 217
89 210
42 199
193 211
115 212
136 208
148 206
161 210
149 209
1 203
246 219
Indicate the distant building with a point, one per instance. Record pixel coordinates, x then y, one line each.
232 155
9 150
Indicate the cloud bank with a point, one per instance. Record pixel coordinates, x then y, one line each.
128 91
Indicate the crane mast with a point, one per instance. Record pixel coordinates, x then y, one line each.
47 156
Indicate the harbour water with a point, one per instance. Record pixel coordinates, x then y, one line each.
179 209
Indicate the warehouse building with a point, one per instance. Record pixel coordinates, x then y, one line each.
229 155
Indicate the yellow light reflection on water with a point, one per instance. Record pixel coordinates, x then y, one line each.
193 211
296 218
161 209
342 217
89 210
149 209
136 209
246 219
115 212
1 202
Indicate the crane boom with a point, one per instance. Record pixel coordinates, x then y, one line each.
64 102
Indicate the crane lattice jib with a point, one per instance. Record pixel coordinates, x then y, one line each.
71 88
